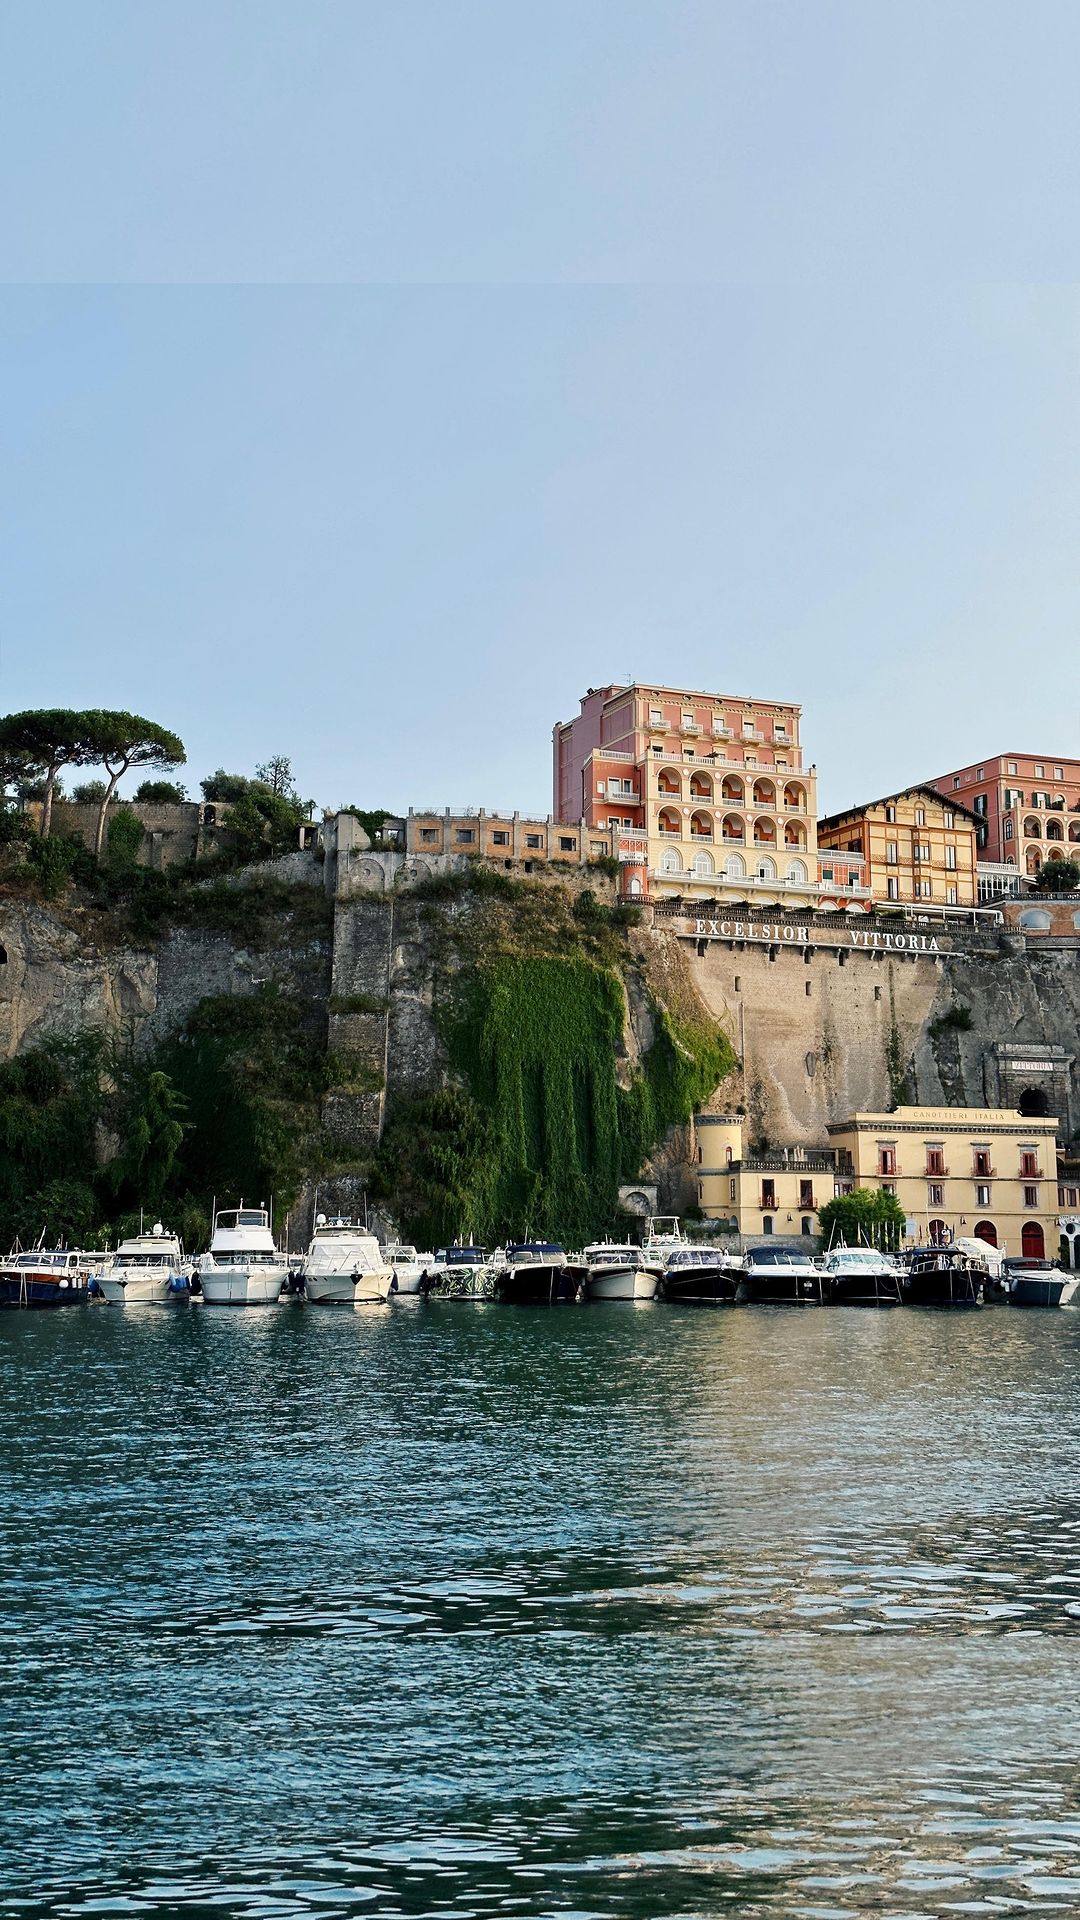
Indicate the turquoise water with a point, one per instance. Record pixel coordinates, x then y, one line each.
465 1611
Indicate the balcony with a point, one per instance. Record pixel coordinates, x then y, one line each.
936 1173
752 735
721 732
689 729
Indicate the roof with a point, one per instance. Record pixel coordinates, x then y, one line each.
932 793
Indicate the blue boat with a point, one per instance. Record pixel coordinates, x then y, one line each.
55 1279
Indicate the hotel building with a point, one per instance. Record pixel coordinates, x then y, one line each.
958 1172
917 848
706 793
1027 808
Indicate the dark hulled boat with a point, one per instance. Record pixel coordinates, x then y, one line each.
778 1277
701 1277
40 1279
538 1274
861 1277
943 1277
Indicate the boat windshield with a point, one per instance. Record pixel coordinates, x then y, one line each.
465 1256
242 1217
246 1258
529 1250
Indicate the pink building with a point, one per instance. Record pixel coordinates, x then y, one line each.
1027 807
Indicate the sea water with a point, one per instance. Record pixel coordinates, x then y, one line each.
462 1610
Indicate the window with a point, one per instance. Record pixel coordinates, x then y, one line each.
1010 766
890 814
892 889
952 898
656 718
534 840
731 1184
567 843
980 773
1029 1164
826 873
1031 1196
920 816
500 838
935 1196
886 1159
768 1193
949 818
892 853
1059 773
806 1193
935 1158
766 1224
982 1161
950 859
1040 771
888 1186
688 719
464 836
978 805
1008 830
956 780
982 1196
807 1226
924 889
428 836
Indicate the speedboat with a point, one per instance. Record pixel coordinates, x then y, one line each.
538 1273
861 1277
59 1277
702 1276
618 1272
944 1277
409 1266
458 1273
781 1277
345 1265
1040 1283
149 1267
243 1267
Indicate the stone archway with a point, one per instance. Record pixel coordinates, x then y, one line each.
1034 1104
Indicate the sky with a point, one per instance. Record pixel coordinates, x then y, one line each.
375 378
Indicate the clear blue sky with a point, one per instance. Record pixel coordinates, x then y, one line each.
375 377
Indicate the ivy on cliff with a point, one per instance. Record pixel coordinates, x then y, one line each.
538 1134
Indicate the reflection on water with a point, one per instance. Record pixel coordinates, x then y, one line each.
463 1611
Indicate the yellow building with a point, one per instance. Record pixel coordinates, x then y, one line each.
506 837
918 848
960 1172
774 1191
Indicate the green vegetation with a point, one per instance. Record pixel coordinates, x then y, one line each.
956 1019
160 793
538 1133
35 746
1057 875
357 1003
868 1216
372 819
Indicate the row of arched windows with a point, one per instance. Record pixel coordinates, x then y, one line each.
1055 829
734 868
731 828
762 793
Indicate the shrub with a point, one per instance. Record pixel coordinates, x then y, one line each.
161 793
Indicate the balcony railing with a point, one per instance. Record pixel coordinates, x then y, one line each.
936 1173
689 727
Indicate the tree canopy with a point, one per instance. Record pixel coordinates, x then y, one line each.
38 743
867 1216
125 740
1058 875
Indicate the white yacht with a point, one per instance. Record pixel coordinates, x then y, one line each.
408 1265
345 1264
147 1268
617 1271
243 1267
663 1237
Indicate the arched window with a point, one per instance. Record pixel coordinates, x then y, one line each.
732 829
796 872
1032 828
732 790
1033 1241
764 833
1035 919
794 834
764 793
670 862
807 1224
635 885
766 869
986 1230
795 797
1055 830
1074 829
700 786
735 867
668 782
669 821
703 864
701 827
939 1233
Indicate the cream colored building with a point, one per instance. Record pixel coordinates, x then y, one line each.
957 1172
917 848
978 1172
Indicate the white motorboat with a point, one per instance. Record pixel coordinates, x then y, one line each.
663 1237
408 1265
243 1267
147 1268
618 1272
345 1266
862 1277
